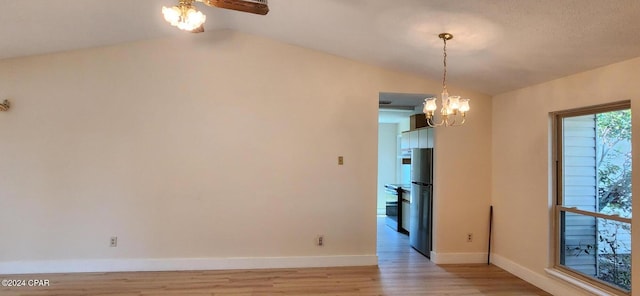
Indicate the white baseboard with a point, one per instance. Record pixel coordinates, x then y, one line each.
170 264
458 258
543 281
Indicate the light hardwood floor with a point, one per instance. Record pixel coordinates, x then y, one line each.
401 271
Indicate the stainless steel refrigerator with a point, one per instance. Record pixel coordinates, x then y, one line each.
420 225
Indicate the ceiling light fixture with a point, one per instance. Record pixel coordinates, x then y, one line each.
453 107
185 16
4 106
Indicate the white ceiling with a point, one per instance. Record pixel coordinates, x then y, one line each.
498 45
402 101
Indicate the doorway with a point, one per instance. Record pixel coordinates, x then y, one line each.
394 114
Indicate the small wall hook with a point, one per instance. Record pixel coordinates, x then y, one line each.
5 105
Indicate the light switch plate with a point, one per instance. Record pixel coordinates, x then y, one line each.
340 160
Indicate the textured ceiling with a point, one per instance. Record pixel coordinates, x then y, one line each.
498 45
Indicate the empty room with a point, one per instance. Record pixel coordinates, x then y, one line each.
333 147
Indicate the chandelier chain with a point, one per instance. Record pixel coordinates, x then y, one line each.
444 75
454 108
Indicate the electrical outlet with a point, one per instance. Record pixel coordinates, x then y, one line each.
469 237
340 160
113 242
320 241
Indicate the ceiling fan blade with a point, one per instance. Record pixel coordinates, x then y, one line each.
251 6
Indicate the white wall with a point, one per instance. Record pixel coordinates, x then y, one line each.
462 185
404 125
521 167
387 160
213 146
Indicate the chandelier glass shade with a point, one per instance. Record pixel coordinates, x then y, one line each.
453 109
185 16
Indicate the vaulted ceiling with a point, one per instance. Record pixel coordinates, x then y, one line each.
498 45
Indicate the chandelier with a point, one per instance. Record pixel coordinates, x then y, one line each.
185 16
454 109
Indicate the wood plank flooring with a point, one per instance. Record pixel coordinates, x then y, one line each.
401 271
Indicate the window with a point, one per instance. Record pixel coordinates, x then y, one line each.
592 150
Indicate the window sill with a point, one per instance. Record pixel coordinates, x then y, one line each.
579 283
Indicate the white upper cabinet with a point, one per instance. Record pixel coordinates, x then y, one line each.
425 138
421 138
